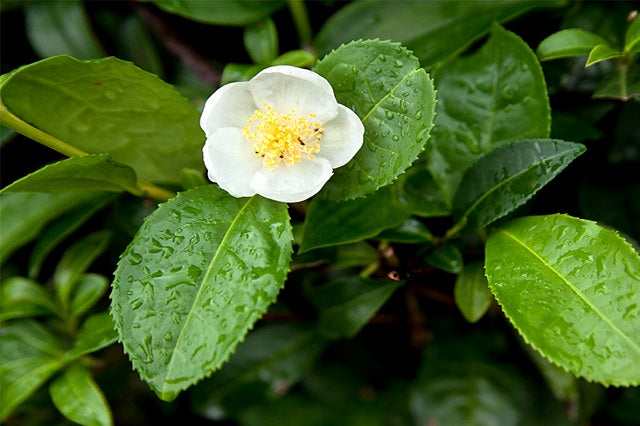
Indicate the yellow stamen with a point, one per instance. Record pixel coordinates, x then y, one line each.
282 138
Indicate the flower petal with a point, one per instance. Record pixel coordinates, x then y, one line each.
229 106
291 184
287 88
343 137
230 161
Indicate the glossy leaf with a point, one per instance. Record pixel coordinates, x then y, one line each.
23 298
61 27
446 257
128 113
201 270
602 52
495 96
88 290
30 355
331 223
433 30
296 58
395 99
93 172
231 12
632 37
24 214
508 176
420 194
471 292
97 332
411 231
261 41
79 398
570 287
567 43
347 304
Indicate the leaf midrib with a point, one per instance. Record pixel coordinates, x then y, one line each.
385 97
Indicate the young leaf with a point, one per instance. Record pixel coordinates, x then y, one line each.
571 288
567 43
347 304
79 398
229 12
330 223
30 354
201 270
632 37
471 292
97 332
88 290
495 96
384 84
93 172
23 298
602 52
446 257
127 112
507 177
61 27
261 41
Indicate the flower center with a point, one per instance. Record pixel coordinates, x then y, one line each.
282 138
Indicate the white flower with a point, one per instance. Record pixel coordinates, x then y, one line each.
279 135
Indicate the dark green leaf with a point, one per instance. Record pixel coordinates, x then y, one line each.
632 37
93 172
419 193
619 208
330 223
624 84
626 139
572 127
88 290
567 43
571 288
508 176
201 270
395 99
109 106
261 41
352 255
602 52
97 332
412 231
433 30
562 384
61 27
190 178
471 292
446 257
79 398
490 98
229 12
6 135
239 72
296 58
23 298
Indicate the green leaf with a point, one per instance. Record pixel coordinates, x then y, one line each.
330 223
624 84
109 106
395 99
199 273
507 177
490 98
562 384
347 304
23 298
446 257
471 292
567 43
61 27
632 37
261 41
24 214
419 193
239 72
229 12
97 332
411 231
29 355
88 290
75 262
602 52
433 30
296 58
93 172
571 288
79 398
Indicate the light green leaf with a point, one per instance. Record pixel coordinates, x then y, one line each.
29 355
490 98
296 58
61 27
347 304
93 172
24 214
23 298
433 30
202 269
395 99
446 257
571 288
79 398
507 177
109 106
632 37
602 52
411 231
567 43
331 223
97 332
88 290
261 41
471 292
229 12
